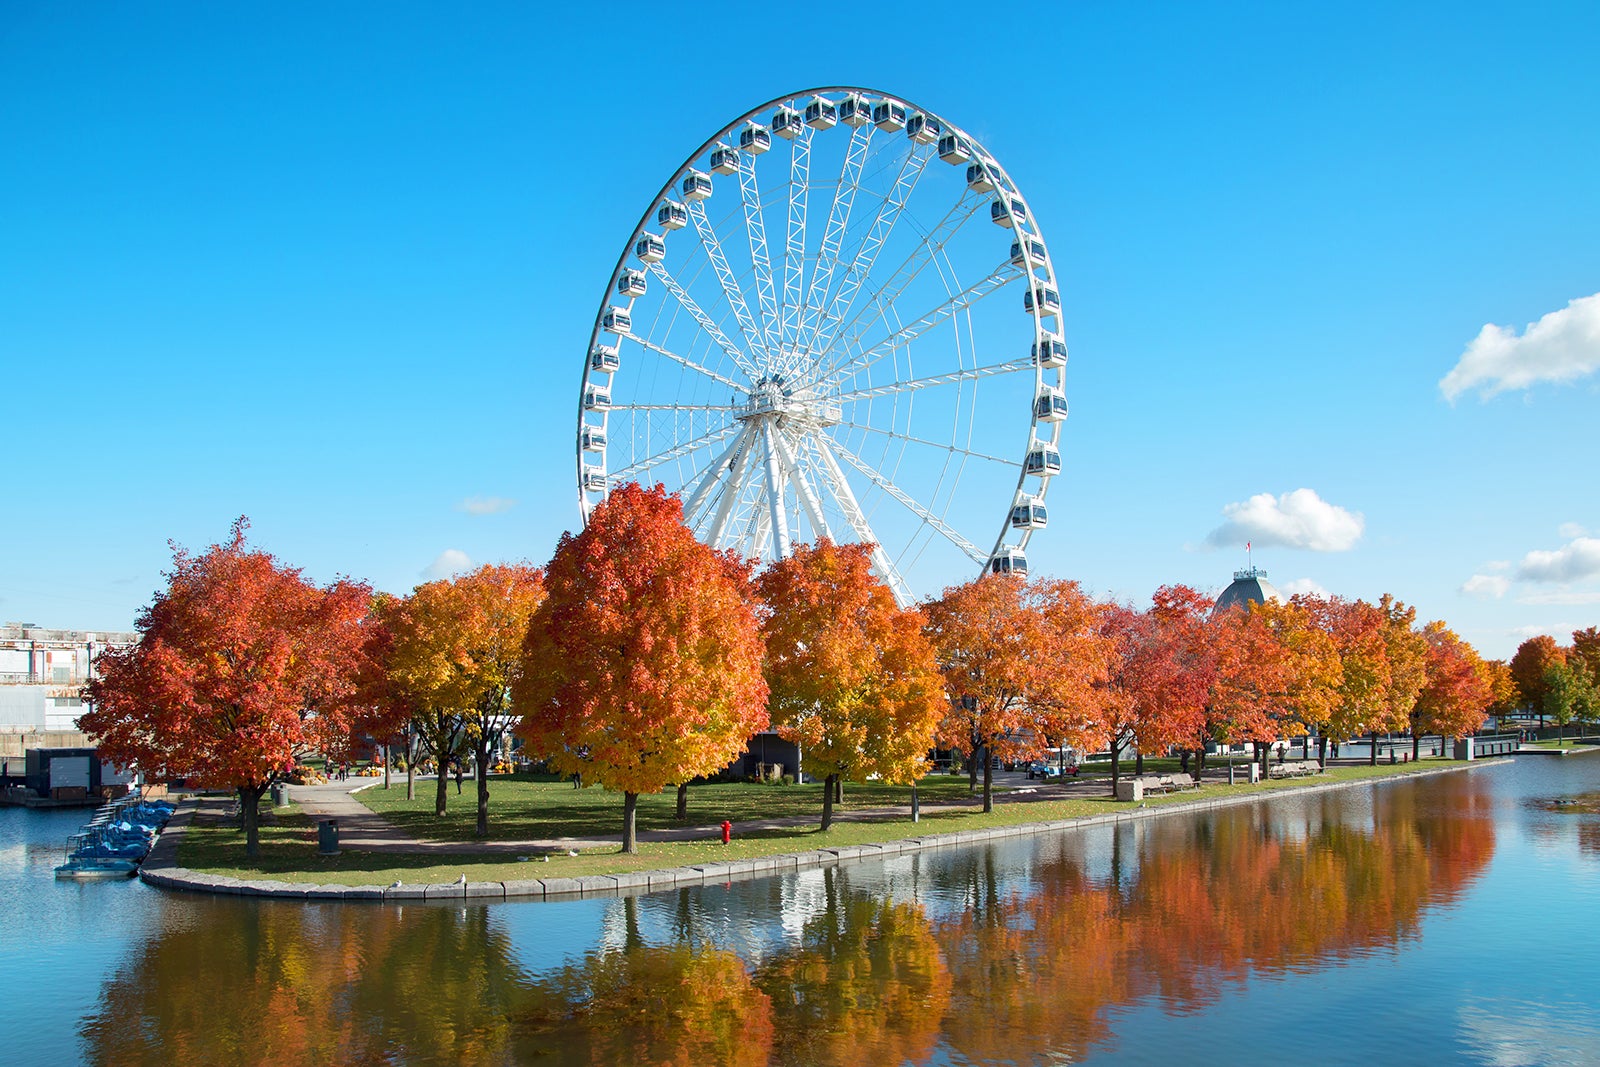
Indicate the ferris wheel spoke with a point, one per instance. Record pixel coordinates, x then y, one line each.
730 285
845 497
775 489
924 253
677 407
809 501
645 342
684 448
930 444
882 482
706 480
756 227
794 250
883 224
731 492
707 324
951 305
833 235
966 374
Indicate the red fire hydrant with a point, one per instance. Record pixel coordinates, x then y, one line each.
727 831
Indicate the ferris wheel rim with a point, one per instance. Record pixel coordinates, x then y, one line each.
1026 233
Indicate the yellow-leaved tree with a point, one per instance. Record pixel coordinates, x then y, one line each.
853 678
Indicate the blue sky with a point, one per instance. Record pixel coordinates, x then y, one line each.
335 267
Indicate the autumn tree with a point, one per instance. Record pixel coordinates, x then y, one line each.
853 678
1457 691
1585 652
421 675
1005 665
1528 666
1406 652
239 671
1252 679
1175 710
1505 697
1361 693
642 666
452 651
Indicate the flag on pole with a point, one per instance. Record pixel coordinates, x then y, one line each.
1247 546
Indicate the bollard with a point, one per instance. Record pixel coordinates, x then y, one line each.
328 837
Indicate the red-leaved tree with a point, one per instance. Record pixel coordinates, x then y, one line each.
240 668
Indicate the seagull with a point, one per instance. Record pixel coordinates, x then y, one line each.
396 884
462 880
572 852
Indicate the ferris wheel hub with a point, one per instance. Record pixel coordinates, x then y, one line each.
773 398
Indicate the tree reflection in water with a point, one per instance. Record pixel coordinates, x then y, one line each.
1020 962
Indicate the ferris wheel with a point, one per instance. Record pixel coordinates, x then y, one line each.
812 332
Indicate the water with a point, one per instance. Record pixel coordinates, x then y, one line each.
1445 918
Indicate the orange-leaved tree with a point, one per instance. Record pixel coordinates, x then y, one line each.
642 667
1528 666
999 655
1252 680
1458 690
241 666
854 681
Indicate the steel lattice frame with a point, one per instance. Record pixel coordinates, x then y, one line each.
791 388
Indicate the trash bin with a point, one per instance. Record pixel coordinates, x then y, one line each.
328 837
280 794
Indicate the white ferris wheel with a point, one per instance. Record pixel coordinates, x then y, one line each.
811 332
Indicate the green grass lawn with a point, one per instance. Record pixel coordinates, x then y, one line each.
289 840
526 807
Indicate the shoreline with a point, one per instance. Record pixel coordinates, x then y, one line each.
160 868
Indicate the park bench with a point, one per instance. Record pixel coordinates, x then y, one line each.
1135 788
1294 769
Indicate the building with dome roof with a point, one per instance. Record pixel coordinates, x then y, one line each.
1250 586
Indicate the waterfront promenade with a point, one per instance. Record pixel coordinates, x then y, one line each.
360 829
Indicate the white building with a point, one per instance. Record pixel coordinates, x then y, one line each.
41 673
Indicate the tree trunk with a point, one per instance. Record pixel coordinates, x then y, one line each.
388 760
838 789
1322 751
483 786
1116 765
827 801
630 821
1416 745
411 772
1372 738
250 818
1138 762
683 802
988 781
972 770
1183 760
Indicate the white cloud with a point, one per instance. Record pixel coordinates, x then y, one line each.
1305 585
1574 561
1486 585
1525 632
450 561
1300 519
1494 566
486 505
1570 530
1560 347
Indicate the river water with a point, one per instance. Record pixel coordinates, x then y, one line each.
1445 919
